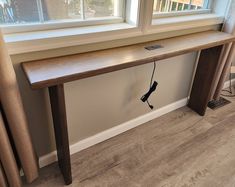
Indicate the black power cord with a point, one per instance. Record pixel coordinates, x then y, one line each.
152 88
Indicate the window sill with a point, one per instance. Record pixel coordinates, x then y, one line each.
51 39
167 24
27 42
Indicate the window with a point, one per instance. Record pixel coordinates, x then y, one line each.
176 6
36 25
19 12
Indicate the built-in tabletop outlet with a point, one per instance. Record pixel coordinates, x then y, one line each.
153 47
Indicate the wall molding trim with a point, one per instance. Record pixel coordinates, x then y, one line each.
107 134
227 83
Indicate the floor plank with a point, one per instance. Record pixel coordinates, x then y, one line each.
180 149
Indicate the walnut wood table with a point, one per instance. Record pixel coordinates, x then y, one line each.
54 72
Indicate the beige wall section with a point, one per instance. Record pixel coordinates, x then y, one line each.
99 103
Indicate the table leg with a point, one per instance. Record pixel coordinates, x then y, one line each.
205 76
61 132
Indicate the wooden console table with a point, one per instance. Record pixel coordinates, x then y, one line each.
54 72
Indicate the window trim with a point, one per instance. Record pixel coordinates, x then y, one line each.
66 23
180 13
19 43
167 24
62 24
177 20
142 27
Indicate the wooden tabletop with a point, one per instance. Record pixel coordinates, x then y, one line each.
54 71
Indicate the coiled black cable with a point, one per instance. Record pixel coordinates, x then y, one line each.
152 88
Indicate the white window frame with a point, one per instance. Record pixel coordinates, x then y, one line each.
181 20
205 10
138 22
66 23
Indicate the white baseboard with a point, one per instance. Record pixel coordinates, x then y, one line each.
47 159
227 83
107 134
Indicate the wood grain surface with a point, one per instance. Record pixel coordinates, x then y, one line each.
58 109
54 71
206 74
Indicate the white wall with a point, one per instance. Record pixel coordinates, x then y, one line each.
221 6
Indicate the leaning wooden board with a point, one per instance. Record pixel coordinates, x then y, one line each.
54 71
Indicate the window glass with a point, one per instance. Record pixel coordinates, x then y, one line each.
31 11
20 11
178 5
99 8
61 9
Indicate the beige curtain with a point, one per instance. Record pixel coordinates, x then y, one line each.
228 55
3 182
7 157
12 108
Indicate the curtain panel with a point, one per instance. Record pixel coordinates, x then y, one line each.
7 158
3 182
13 128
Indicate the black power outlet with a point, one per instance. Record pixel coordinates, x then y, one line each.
153 47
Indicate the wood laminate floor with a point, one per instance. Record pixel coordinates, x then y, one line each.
179 149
